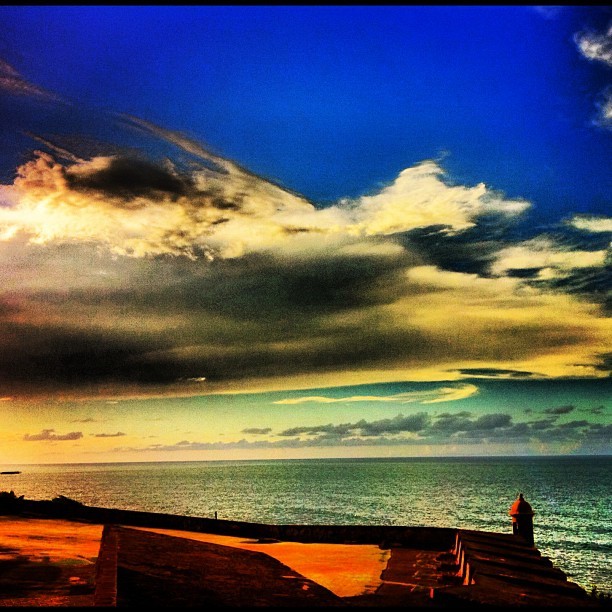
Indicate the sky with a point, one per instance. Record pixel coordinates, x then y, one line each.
292 232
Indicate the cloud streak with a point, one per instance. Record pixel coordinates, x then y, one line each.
443 394
107 435
13 83
560 410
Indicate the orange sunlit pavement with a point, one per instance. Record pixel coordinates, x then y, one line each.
345 569
47 562
62 554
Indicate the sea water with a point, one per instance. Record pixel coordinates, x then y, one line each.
571 496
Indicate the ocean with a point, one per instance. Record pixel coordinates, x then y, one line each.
571 496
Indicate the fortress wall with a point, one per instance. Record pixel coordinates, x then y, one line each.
427 538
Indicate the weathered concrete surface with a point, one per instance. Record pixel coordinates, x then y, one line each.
348 570
47 563
161 570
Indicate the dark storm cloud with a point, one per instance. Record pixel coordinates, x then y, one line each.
48 435
605 363
526 273
541 425
398 424
471 251
574 424
592 282
493 372
289 303
257 290
268 288
560 410
55 357
261 291
492 428
450 423
131 177
156 322
340 283
595 410
257 430
326 353
235 360
107 435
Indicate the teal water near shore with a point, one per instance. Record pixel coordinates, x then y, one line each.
572 496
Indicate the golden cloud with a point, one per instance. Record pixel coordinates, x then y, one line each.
544 253
137 209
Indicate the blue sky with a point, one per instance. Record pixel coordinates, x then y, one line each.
198 201
334 101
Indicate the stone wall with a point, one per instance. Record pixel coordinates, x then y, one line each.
428 538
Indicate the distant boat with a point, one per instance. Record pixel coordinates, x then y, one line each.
10 472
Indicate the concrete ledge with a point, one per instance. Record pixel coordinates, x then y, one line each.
106 569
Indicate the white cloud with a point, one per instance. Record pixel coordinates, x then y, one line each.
420 198
544 253
604 118
596 47
592 224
